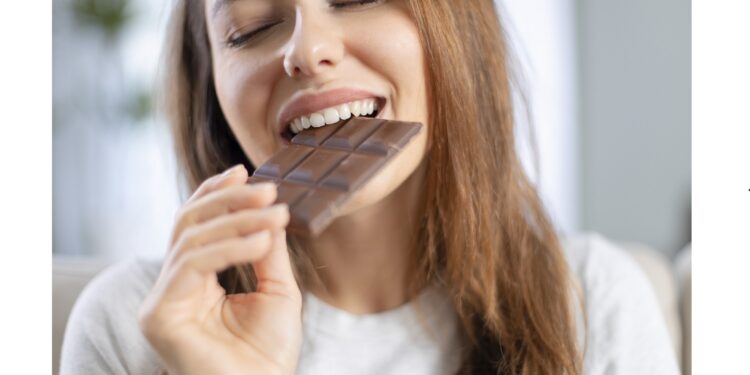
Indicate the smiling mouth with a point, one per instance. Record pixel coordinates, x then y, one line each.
330 116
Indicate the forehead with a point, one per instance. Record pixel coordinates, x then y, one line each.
215 7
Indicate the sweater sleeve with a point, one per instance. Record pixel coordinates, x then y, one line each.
102 334
626 332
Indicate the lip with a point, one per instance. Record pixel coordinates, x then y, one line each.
304 104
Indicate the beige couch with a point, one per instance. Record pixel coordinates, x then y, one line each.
671 281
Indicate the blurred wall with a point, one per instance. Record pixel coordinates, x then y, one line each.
635 92
115 185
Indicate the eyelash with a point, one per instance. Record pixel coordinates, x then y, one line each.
241 40
347 4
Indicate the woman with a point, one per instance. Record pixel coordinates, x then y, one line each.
446 263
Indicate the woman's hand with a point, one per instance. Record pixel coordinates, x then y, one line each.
188 319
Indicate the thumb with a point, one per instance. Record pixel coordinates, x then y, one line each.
274 271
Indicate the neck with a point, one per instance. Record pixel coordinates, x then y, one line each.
363 257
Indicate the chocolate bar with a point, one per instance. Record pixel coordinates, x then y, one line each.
322 168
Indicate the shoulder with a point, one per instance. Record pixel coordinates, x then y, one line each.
625 330
115 294
125 283
102 333
599 263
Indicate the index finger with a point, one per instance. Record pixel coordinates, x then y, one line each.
233 176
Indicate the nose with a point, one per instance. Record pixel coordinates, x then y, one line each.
314 46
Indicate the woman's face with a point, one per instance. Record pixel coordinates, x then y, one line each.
281 63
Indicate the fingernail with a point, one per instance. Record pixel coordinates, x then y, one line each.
232 170
281 210
277 208
261 233
265 185
280 207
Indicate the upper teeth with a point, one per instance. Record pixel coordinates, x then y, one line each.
334 114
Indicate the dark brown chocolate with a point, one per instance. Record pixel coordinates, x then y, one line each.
322 167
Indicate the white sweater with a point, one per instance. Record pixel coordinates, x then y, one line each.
626 331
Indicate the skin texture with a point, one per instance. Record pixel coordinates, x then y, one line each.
193 326
312 48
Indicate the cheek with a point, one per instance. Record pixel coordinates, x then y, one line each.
393 49
243 87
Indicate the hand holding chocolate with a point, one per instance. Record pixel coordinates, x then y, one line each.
322 168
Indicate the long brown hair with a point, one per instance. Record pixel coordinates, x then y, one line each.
484 234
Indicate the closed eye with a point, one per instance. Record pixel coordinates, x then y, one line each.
236 41
352 3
